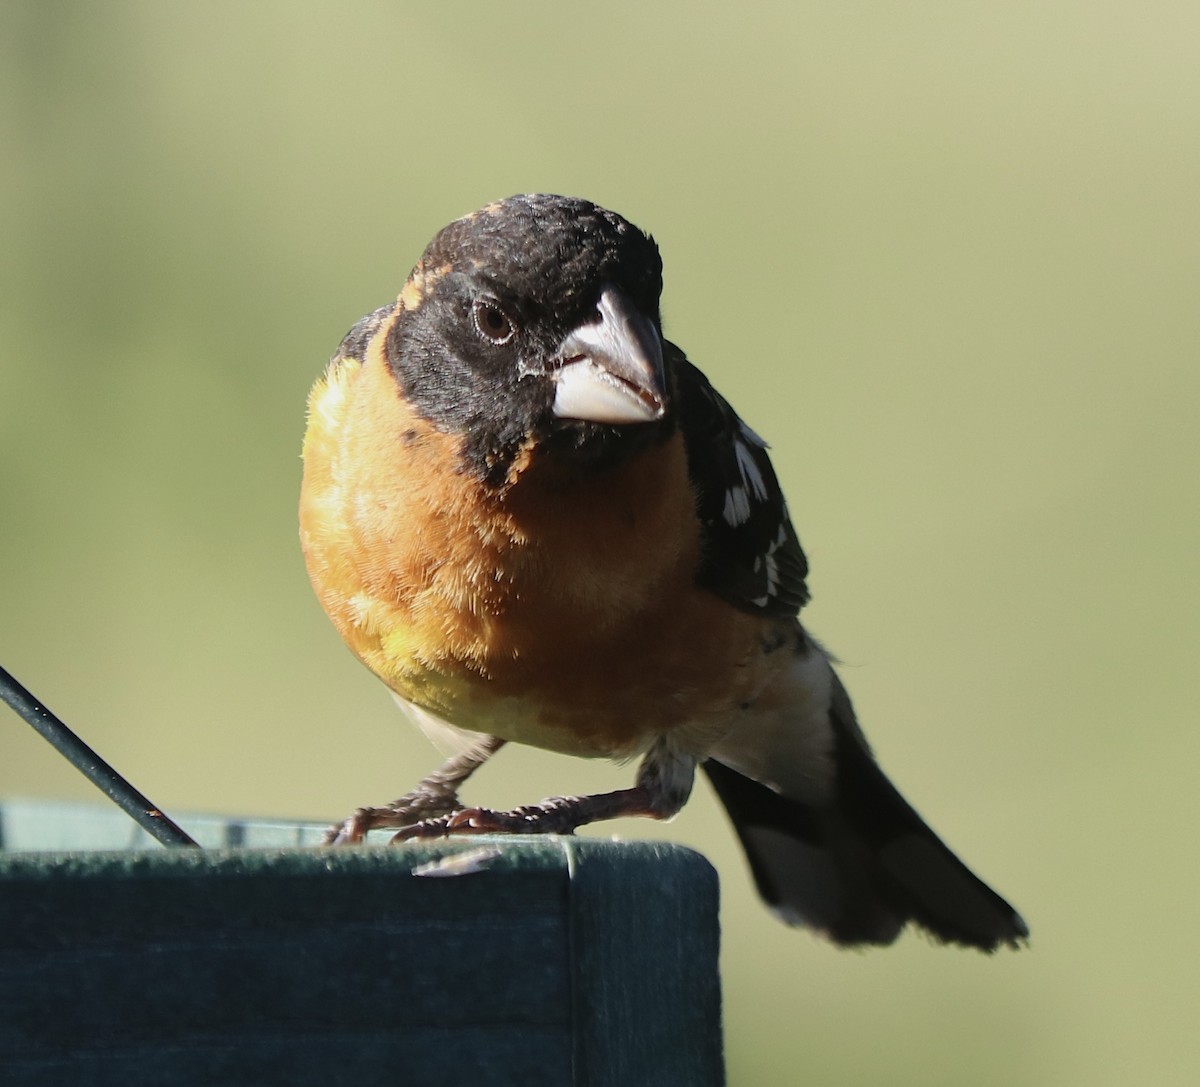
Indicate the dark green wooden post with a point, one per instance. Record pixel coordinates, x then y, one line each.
472 962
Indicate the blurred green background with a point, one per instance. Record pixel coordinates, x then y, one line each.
944 256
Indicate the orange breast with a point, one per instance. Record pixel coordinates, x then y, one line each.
561 613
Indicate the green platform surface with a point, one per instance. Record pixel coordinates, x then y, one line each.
478 961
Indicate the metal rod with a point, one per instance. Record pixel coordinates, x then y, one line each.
92 766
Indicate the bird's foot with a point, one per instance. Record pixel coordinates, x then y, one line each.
434 797
425 803
557 815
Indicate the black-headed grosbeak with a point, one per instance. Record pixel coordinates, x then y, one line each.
535 520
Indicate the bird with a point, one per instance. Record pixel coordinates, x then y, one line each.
531 517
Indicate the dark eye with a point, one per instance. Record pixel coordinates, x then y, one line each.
492 322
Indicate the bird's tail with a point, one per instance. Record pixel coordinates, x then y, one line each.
860 863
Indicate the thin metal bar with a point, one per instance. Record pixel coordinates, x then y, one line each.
92 766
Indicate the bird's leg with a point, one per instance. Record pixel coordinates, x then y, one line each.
664 783
435 795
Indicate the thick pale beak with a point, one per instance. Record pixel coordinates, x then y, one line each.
612 368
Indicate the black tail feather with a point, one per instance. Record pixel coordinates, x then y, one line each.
864 864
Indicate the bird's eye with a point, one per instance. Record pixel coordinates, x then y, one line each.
492 322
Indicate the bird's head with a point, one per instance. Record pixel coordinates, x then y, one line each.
535 321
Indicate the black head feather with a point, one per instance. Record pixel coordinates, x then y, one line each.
488 305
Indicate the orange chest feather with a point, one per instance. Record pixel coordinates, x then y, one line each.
561 612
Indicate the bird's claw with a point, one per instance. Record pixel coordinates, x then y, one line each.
425 805
556 816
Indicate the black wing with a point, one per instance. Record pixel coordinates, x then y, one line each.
751 555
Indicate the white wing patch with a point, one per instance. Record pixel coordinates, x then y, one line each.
752 436
738 499
750 554
767 564
749 470
737 506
